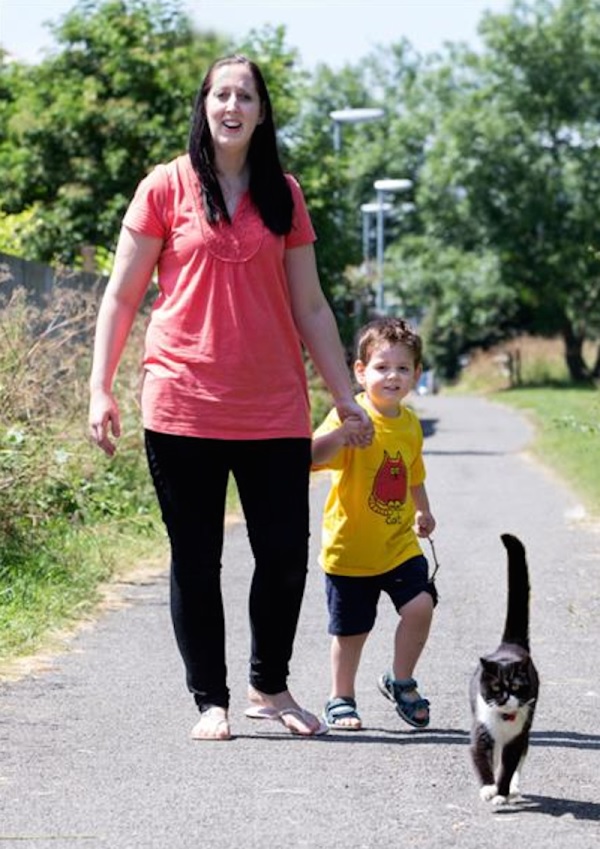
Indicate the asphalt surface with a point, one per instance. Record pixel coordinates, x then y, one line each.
95 749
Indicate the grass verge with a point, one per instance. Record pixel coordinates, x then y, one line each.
69 517
567 423
566 418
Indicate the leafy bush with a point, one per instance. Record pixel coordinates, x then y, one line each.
65 510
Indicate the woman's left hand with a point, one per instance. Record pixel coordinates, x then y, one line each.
363 436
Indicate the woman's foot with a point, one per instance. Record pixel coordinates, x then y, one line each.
283 708
212 725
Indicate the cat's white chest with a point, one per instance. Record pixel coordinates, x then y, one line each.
502 730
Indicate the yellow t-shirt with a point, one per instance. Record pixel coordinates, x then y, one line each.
369 513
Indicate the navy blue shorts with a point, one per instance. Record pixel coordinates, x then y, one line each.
352 602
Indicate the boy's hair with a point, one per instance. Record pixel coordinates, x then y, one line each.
394 331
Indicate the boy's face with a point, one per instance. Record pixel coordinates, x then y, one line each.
388 376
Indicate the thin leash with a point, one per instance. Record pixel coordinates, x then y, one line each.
435 560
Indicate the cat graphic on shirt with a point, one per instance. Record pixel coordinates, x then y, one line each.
390 487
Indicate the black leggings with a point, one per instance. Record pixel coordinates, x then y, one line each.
272 475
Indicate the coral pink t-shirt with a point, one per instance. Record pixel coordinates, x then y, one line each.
223 357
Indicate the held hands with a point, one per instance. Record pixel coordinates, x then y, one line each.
356 427
424 523
104 418
351 432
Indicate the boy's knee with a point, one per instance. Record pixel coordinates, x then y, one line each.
420 606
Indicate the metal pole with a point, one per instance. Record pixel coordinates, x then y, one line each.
337 137
382 186
380 300
366 237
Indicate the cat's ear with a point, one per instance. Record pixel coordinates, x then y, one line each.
489 666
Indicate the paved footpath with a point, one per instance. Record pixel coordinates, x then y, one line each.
94 751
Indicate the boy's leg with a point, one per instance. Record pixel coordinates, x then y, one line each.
414 598
352 606
345 657
411 634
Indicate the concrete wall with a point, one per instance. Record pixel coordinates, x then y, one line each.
39 279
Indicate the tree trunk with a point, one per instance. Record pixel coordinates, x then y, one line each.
596 369
578 370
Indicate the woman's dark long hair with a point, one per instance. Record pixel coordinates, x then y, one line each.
269 189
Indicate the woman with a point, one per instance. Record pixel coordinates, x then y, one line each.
224 382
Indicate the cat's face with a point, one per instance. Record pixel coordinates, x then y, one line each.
505 684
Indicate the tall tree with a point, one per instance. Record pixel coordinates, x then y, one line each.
515 160
88 122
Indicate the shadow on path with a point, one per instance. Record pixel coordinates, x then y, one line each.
554 807
429 427
565 739
429 736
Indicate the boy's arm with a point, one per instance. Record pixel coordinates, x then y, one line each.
325 447
424 521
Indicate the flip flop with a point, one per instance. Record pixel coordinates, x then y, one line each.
210 722
271 713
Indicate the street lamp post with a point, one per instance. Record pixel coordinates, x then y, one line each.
382 187
351 115
369 209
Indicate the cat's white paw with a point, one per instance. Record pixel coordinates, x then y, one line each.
487 792
498 801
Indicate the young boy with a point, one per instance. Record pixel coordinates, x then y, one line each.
376 509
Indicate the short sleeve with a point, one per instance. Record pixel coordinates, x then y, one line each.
148 211
418 472
330 423
302 232
417 476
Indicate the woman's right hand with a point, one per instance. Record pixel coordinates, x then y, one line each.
104 419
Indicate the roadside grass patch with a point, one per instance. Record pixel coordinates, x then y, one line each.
566 418
567 425
523 361
69 516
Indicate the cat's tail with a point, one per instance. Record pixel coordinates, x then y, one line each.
516 628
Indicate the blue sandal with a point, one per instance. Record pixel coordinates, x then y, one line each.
342 707
405 708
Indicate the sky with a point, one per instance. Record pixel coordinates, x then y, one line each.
329 31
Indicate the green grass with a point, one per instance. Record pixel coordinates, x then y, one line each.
43 595
70 518
567 423
566 418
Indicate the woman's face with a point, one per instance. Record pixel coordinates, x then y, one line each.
233 108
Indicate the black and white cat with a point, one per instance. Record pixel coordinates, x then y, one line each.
504 692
